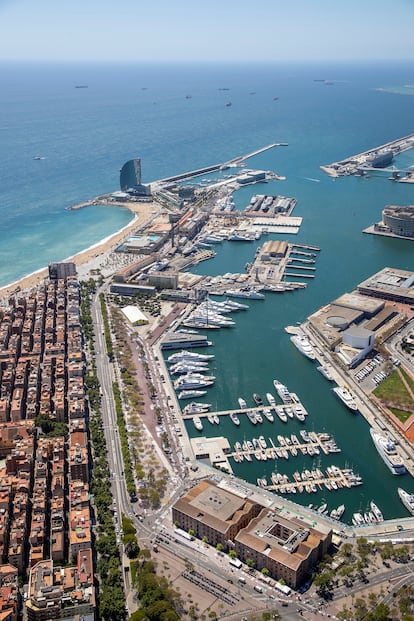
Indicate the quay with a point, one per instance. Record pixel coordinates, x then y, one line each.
362 162
300 275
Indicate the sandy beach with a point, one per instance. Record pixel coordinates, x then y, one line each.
93 257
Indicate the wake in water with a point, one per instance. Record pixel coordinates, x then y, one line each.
311 179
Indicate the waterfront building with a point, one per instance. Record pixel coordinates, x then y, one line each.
390 284
163 280
130 178
130 289
356 344
284 542
398 220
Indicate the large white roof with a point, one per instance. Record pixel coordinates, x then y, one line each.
134 314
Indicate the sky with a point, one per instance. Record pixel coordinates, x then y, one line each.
205 30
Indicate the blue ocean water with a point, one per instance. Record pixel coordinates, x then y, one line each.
85 135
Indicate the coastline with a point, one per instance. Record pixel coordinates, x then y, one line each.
91 257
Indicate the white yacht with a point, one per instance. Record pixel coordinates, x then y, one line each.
188 355
302 343
346 396
376 511
197 423
324 370
234 419
387 450
196 408
282 391
191 394
270 399
407 500
281 414
193 380
252 417
242 403
268 415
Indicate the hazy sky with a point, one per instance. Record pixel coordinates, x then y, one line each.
206 30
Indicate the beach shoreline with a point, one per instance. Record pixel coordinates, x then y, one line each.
92 257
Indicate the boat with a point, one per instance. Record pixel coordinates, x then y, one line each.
268 415
376 511
188 355
39 157
216 419
270 399
346 396
257 399
340 511
325 372
234 418
281 414
183 369
259 418
302 343
193 380
358 519
191 394
262 442
210 419
228 104
233 305
196 408
197 423
282 391
386 449
407 500
242 403
322 509
251 294
299 413
252 417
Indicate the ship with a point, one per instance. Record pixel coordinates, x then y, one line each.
325 372
191 394
197 423
234 419
302 343
407 500
386 449
346 397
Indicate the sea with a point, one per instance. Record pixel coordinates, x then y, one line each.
176 118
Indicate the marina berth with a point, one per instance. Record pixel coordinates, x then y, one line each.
346 396
407 500
302 343
387 450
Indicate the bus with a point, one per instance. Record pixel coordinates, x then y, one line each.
183 534
235 562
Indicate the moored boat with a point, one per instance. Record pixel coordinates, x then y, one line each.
388 452
268 415
346 396
376 512
197 423
270 399
242 403
302 343
257 399
407 499
325 372
234 418
191 394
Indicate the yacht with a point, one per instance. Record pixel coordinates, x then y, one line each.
196 408
252 294
358 519
407 500
325 372
299 413
262 442
197 423
301 342
346 396
268 415
242 403
193 380
282 391
216 419
386 449
270 399
252 417
183 369
237 306
257 399
281 414
259 418
377 513
234 419
191 394
188 355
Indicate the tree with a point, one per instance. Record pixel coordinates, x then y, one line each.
265 571
219 547
250 562
233 554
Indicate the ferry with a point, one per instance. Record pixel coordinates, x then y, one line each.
386 449
325 372
302 343
191 394
197 423
234 419
407 500
346 396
